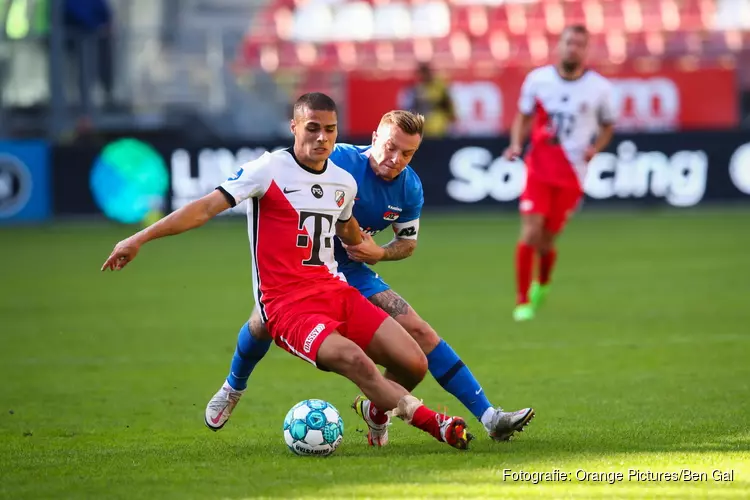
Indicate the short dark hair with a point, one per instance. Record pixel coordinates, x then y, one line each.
577 28
314 101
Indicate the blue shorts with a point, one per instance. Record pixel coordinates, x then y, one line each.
364 279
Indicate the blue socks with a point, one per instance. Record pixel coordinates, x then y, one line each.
247 354
454 376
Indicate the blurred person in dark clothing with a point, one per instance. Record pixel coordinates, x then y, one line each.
430 96
89 29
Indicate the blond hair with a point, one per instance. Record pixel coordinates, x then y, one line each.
410 123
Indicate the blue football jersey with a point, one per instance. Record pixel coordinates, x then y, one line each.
379 204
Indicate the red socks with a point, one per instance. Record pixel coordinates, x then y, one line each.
524 270
377 416
546 263
426 420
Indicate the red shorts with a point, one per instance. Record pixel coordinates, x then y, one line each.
302 326
556 203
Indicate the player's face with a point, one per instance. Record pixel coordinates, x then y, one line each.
573 49
315 134
392 149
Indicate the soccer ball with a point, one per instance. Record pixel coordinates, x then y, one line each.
313 427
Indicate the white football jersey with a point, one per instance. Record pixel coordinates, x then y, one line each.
291 221
571 111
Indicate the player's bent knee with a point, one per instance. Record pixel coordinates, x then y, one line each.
257 329
419 367
547 242
414 363
426 337
346 358
531 236
532 229
394 348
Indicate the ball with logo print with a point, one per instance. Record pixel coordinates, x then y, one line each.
313 427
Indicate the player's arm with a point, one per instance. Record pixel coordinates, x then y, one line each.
606 125
398 249
369 252
405 235
250 181
603 138
519 130
192 215
347 227
348 231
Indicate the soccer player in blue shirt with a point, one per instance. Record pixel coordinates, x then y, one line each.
389 194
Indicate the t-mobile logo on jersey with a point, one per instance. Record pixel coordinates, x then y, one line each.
303 240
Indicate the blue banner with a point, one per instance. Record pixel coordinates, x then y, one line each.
24 181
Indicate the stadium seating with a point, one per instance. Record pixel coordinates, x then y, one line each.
351 34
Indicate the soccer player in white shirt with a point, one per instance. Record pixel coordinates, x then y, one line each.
298 200
567 111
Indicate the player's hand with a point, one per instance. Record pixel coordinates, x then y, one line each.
589 154
368 251
124 252
512 152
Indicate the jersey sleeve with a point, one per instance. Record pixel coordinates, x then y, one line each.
250 181
607 113
527 99
348 210
407 225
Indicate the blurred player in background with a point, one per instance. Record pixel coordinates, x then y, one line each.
430 96
568 110
298 202
389 195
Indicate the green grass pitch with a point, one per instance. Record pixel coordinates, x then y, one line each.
639 360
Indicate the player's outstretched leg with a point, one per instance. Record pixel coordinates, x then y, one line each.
344 357
540 288
253 342
562 204
449 370
532 225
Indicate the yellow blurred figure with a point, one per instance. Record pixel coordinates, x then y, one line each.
430 96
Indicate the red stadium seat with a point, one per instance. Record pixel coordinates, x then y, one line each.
651 13
381 33
637 45
498 19
614 16
574 13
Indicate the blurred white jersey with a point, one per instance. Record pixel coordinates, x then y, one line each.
291 223
568 114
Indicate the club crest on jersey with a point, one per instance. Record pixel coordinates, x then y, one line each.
391 216
339 197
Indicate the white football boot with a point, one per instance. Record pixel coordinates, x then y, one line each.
503 425
377 434
220 407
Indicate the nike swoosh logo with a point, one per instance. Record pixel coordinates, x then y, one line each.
218 417
287 191
480 390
